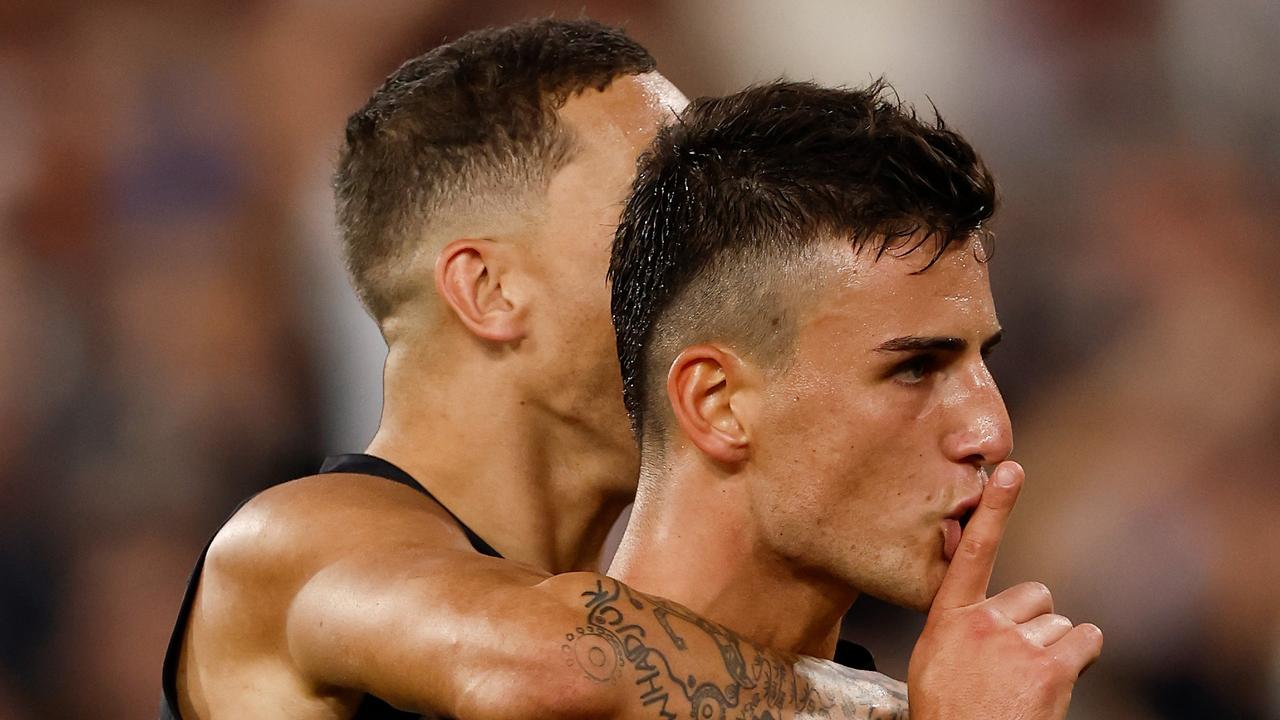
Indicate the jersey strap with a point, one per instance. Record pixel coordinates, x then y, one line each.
362 464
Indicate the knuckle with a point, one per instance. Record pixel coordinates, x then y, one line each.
972 547
1053 686
984 619
1062 665
1056 670
1038 591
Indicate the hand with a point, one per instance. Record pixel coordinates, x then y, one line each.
1007 657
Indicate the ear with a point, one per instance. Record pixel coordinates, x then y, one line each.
701 386
469 278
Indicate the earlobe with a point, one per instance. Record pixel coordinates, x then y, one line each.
700 387
469 281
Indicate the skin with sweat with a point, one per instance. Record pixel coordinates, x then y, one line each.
862 449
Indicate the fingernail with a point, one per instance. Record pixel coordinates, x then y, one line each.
1004 477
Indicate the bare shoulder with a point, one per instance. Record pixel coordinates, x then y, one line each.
289 532
347 530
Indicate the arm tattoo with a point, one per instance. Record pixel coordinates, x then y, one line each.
664 648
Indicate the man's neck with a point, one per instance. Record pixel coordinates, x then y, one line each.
540 491
690 539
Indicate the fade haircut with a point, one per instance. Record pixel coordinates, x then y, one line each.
470 126
731 202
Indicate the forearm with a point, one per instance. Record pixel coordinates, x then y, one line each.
499 642
660 660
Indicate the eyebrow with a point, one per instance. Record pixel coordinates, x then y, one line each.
916 343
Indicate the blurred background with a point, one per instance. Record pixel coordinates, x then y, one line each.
176 331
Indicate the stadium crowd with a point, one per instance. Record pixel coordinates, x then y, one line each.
177 332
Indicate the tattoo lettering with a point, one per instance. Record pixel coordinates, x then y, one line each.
656 644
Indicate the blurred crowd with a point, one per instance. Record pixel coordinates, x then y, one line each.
176 332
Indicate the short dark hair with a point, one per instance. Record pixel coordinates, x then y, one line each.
468 122
754 179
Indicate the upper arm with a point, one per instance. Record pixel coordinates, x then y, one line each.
401 607
441 631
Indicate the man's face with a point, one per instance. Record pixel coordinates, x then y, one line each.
870 443
570 257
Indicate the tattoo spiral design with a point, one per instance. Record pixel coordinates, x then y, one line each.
597 654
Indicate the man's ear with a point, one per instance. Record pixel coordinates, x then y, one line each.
469 277
701 385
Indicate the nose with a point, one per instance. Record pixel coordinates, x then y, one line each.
981 433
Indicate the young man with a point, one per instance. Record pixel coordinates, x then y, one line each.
802 311
478 191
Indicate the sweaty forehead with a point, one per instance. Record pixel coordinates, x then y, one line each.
887 298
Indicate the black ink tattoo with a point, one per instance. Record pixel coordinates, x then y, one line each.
749 683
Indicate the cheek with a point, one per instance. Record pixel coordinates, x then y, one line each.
820 457
857 461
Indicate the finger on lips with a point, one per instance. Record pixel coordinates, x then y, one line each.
970 572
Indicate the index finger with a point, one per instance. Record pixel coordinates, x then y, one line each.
970 572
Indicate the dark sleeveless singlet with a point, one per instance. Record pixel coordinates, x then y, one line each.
371 708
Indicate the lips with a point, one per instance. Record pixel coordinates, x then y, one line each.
964 510
951 532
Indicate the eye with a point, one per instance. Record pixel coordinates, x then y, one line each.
915 370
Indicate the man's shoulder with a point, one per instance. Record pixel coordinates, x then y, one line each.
289 532
273 571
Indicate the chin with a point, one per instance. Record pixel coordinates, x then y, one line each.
920 602
912 594
916 590
909 601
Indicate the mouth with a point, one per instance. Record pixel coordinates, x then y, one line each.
954 523
963 511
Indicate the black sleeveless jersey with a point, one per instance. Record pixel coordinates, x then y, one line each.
371 708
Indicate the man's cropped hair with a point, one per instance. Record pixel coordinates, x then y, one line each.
470 126
729 198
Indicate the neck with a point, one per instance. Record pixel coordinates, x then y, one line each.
540 490
691 539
